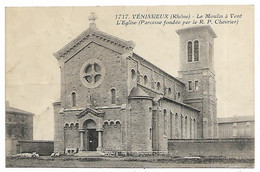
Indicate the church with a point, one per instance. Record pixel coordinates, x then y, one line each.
114 100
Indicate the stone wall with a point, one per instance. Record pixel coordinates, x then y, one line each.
230 148
140 125
40 147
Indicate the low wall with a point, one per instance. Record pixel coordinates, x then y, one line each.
41 147
10 146
242 148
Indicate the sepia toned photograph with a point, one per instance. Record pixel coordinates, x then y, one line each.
129 87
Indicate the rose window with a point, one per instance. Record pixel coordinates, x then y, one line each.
92 73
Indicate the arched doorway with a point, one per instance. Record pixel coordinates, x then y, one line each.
90 136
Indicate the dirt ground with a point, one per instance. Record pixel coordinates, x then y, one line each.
128 162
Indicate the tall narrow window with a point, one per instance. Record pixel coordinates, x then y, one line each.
196 50
182 133
189 51
190 85
113 96
191 128
73 99
145 79
150 134
196 85
133 74
195 128
158 85
186 127
176 126
169 90
164 121
171 125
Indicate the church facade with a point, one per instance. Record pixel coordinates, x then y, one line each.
114 100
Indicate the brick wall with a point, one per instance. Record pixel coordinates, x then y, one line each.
230 148
140 125
114 77
40 147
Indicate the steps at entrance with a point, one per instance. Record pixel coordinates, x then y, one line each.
90 153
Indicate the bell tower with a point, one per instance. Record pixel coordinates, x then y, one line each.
197 72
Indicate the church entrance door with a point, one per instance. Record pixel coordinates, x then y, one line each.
90 136
92 140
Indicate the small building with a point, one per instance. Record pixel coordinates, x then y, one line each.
236 127
18 126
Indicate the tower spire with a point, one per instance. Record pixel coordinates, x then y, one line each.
92 18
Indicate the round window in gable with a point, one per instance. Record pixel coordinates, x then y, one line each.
92 73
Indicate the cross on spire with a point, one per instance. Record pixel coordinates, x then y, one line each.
92 17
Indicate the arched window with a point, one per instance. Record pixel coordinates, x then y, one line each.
195 128
171 125
182 128
179 95
196 50
150 134
164 121
176 126
113 96
133 73
186 127
189 51
150 109
66 126
73 98
190 85
169 90
191 128
196 85
71 126
145 79
158 85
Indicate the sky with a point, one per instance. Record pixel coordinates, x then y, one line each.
34 34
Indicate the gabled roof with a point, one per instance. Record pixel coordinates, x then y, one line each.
13 110
92 111
236 119
92 31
